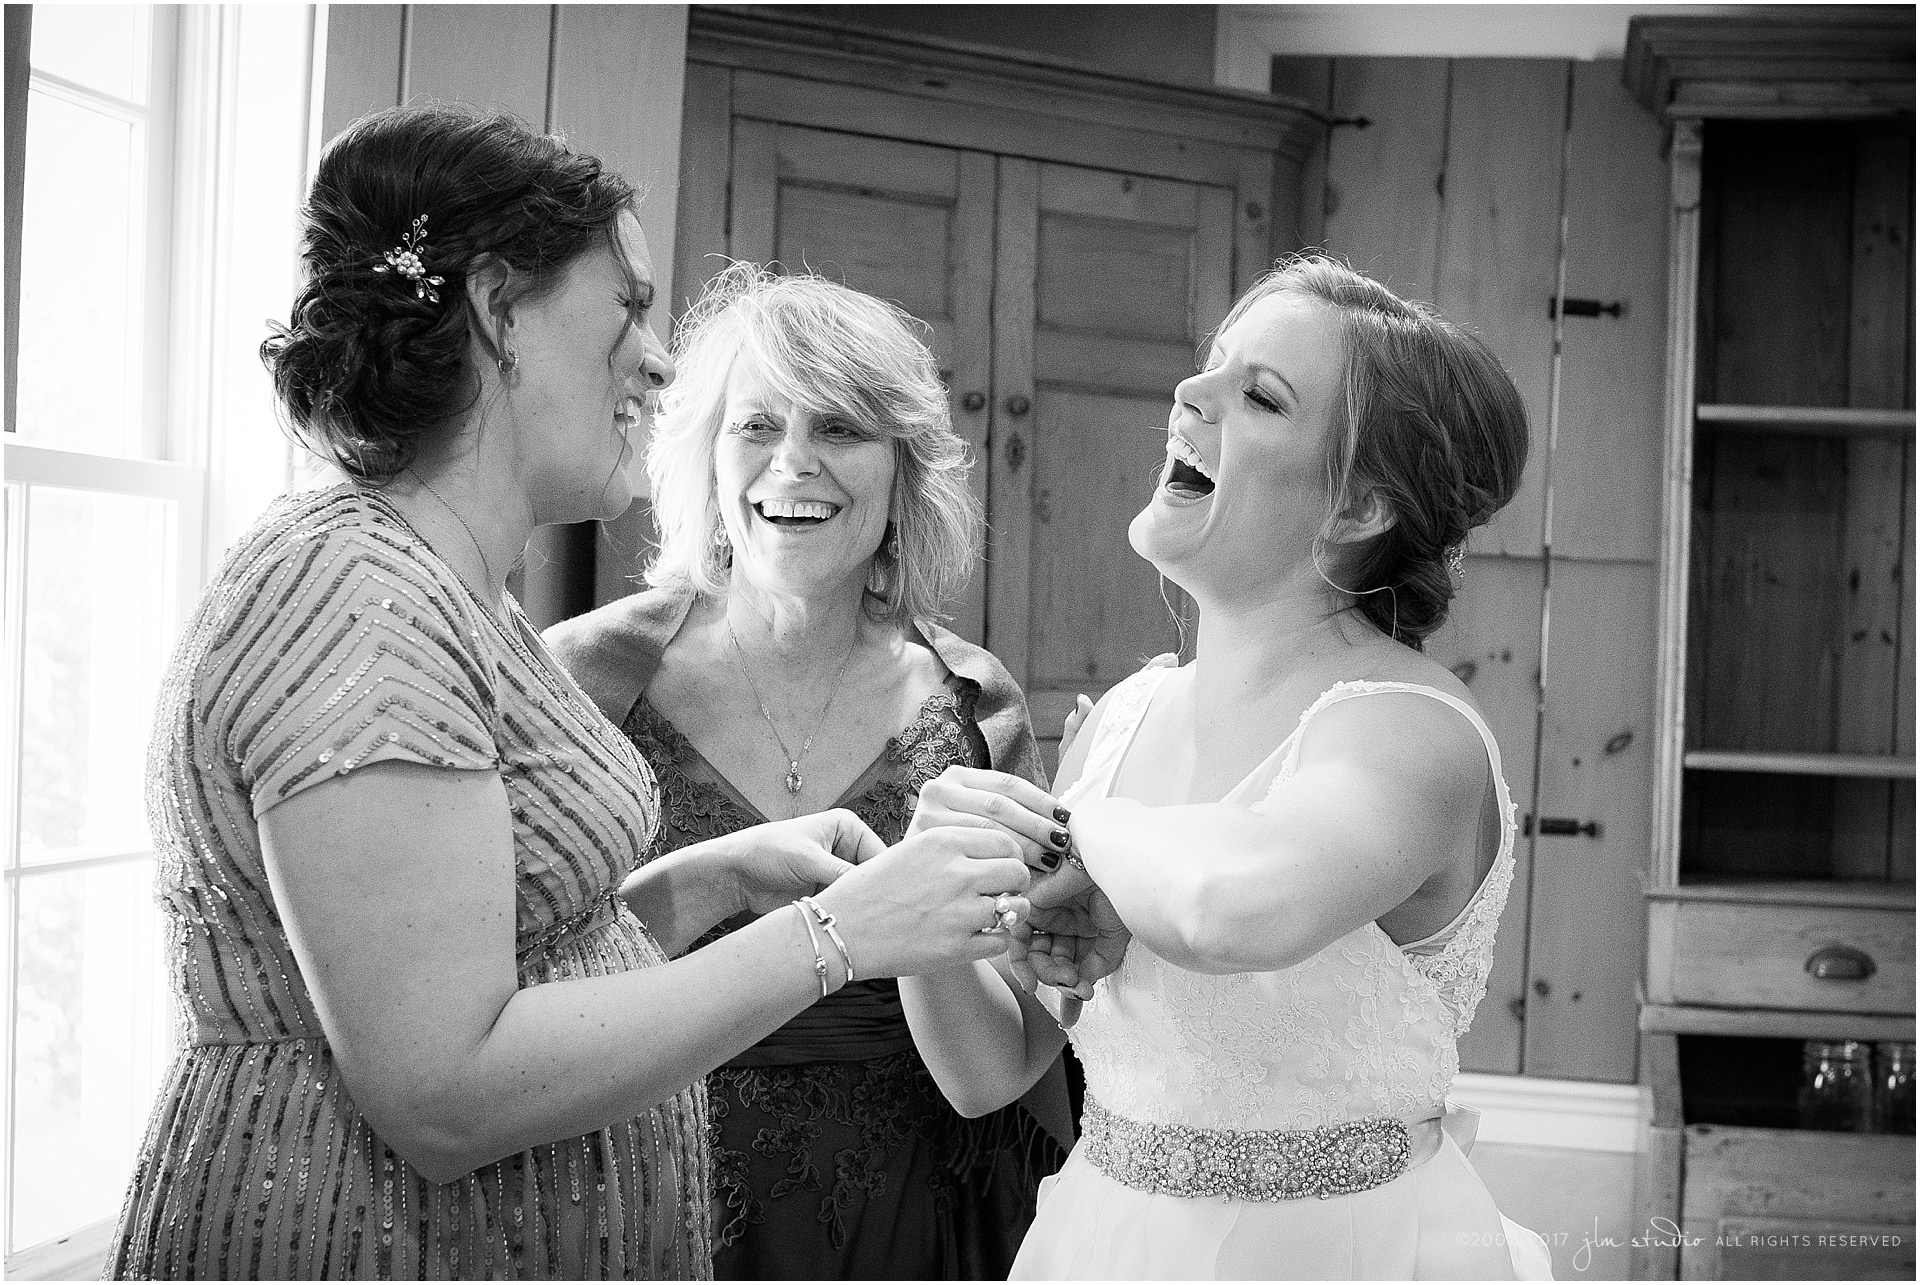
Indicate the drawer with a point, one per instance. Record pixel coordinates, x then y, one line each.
1742 954
1793 1204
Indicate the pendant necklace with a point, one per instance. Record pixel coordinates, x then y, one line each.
793 780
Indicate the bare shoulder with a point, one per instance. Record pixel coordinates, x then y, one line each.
1378 726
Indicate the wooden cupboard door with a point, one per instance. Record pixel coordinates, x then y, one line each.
1105 286
909 223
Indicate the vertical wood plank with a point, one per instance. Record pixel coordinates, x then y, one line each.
1606 470
364 43
1500 245
491 55
753 212
1254 220
1009 488
1676 503
1492 642
1657 1176
970 266
1213 291
618 76
706 149
1587 911
1900 859
1865 715
1381 207
1310 80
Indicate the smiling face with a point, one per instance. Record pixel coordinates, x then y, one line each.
1244 492
805 494
589 364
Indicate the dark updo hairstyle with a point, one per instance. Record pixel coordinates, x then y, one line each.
369 368
1429 422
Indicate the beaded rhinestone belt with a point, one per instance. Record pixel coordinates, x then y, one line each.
1246 1164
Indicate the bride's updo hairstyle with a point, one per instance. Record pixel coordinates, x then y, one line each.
1429 422
375 359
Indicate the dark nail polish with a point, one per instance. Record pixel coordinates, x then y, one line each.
1049 861
1059 838
1061 815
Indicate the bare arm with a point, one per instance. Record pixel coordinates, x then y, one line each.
396 886
1387 796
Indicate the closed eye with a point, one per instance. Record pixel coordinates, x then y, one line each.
1260 399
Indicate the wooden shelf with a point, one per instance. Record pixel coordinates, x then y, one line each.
1824 421
1772 1023
1862 893
1876 766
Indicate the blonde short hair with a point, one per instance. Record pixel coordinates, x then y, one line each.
831 349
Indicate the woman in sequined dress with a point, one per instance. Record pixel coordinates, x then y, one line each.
431 1027
1304 832
815 515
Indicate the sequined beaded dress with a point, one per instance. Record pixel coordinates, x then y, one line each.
331 638
1364 1029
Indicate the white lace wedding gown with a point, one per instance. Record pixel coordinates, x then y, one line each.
1181 1065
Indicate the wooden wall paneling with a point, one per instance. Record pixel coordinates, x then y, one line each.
706 150
1606 472
1500 245
753 199
490 55
1213 293
1381 207
1309 80
1587 907
1492 641
1900 857
970 267
617 92
364 45
1875 536
1009 487
1255 223
1002 129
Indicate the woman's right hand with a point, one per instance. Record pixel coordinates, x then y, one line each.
1012 805
925 904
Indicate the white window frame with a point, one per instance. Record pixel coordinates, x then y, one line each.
230 134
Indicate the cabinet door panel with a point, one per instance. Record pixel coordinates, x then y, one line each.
1587 911
1121 264
1492 641
906 222
1500 246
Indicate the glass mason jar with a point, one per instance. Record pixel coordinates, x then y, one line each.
1893 1086
1836 1086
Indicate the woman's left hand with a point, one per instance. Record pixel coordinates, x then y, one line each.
781 860
1069 946
981 798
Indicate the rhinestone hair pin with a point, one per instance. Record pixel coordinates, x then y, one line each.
1457 562
405 260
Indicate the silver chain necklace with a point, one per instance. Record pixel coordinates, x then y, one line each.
485 566
793 780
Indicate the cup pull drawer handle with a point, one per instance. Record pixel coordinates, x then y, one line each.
1840 964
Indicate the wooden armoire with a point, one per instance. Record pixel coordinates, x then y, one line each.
1069 237
1780 904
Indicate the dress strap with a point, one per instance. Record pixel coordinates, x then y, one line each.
1114 735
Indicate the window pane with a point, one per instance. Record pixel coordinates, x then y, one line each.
86 1049
79 280
94 641
101 46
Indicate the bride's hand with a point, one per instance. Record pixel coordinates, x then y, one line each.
1069 946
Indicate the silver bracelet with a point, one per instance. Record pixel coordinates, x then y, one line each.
826 922
819 954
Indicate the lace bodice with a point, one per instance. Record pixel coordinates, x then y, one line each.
1364 1027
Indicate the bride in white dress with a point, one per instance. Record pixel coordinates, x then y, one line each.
1295 849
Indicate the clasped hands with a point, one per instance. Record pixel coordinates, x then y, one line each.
1069 935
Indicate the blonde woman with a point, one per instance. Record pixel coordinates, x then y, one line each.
814 516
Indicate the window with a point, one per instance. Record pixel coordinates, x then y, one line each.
139 439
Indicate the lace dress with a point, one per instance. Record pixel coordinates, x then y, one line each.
333 637
1359 1035
835 1155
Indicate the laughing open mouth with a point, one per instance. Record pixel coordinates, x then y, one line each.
795 513
1186 474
